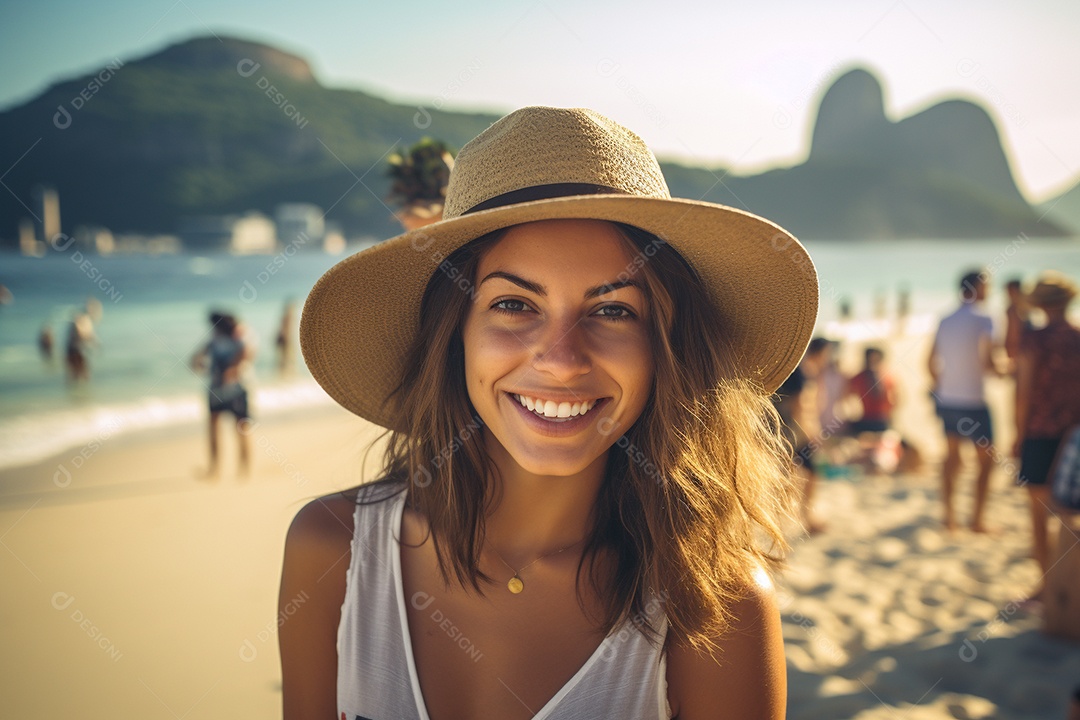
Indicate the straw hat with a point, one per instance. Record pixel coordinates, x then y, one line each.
1053 289
542 163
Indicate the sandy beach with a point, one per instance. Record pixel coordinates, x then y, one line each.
132 588
885 616
139 590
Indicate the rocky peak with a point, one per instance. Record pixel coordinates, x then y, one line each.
223 52
851 118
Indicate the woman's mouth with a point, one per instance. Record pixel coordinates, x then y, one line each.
553 411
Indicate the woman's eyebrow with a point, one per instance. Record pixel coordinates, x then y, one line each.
519 281
611 287
540 290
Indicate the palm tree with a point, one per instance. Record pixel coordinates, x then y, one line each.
418 182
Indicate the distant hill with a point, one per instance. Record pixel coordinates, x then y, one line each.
209 126
941 173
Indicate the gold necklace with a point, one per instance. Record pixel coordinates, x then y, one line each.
515 584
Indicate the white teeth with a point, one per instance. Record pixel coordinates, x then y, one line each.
552 409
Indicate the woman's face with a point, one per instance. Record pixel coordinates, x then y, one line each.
557 356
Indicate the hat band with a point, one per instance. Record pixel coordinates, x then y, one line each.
543 192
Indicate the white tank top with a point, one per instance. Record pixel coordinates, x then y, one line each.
376 678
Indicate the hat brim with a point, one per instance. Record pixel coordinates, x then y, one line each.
360 317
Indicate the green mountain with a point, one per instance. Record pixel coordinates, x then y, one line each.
209 127
212 126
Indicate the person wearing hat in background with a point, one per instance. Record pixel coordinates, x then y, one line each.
1047 402
574 371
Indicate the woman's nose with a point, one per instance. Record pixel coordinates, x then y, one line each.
562 351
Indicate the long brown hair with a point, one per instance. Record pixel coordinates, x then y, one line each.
691 503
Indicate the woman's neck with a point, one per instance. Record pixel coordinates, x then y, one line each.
534 515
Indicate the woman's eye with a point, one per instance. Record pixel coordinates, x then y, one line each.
615 312
509 306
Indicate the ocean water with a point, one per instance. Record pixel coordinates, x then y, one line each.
154 317
155 308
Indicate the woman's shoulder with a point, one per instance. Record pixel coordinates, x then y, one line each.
746 673
322 525
314 583
327 521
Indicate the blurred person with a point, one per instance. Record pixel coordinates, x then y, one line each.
284 343
960 358
831 384
1017 320
796 401
227 353
1047 402
45 342
80 340
903 303
93 309
875 389
903 308
876 392
844 308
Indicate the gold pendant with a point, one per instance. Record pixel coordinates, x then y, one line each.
515 585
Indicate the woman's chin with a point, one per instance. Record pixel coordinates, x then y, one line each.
545 462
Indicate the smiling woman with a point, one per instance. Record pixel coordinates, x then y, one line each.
582 461
552 327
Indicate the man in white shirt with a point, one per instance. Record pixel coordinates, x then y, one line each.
960 357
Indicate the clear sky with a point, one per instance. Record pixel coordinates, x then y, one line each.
733 86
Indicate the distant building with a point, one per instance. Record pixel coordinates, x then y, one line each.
206 233
95 239
148 244
300 225
252 232
333 241
28 242
47 223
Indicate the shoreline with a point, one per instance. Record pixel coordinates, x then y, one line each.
30 439
72 471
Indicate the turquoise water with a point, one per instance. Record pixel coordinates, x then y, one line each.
154 316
